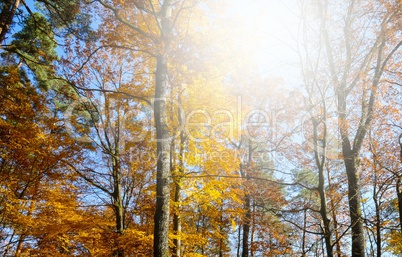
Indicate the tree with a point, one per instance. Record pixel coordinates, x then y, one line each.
34 178
62 14
154 31
363 44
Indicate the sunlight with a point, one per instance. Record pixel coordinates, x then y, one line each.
268 33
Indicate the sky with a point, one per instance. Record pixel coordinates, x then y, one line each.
272 27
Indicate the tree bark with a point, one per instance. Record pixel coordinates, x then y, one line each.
324 215
334 218
320 147
399 196
161 246
350 158
6 17
117 204
398 185
358 242
162 212
177 192
246 226
247 205
349 152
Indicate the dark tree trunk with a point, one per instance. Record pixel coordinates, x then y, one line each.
118 204
238 241
320 160
246 226
399 195
398 186
247 204
358 245
324 216
161 246
6 17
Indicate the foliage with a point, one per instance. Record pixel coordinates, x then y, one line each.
140 128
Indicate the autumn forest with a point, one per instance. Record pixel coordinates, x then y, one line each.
193 128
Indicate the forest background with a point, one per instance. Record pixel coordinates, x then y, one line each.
200 128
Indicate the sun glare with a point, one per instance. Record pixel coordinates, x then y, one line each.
268 31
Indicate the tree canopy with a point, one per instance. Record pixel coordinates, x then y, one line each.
196 128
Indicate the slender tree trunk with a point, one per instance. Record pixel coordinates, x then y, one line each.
161 246
252 231
177 223
221 231
399 196
238 241
118 204
320 160
324 215
162 212
335 220
177 192
246 226
378 227
247 205
6 17
304 233
398 185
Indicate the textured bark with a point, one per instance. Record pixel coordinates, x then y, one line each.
6 17
350 158
161 246
162 212
358 241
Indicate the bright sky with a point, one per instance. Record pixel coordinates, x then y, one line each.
271 28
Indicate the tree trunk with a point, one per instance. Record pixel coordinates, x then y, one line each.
177 223
320 148
398 185
399 195
252 230
378 227
304 252
162 212
358 245
6 17
117 204
350 157
161 247
335 220
324 215
247 205
177 192
246 225
238 241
